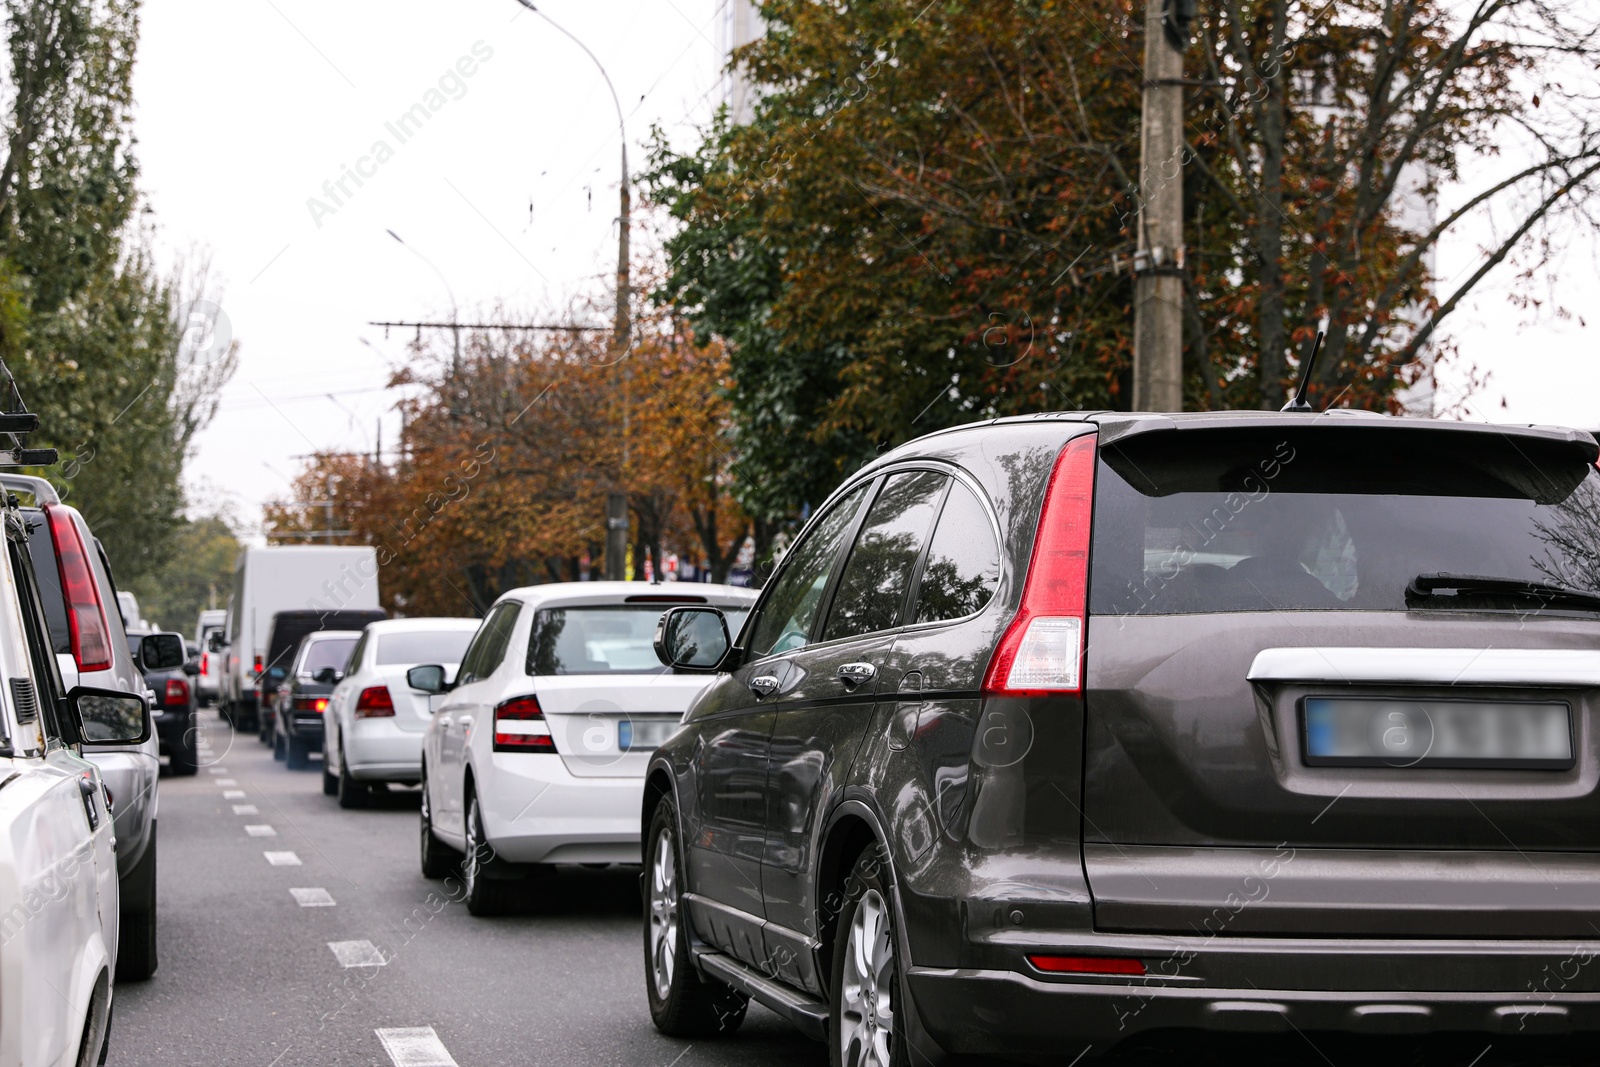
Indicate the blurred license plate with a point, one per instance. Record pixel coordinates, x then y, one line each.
631 735
1437 733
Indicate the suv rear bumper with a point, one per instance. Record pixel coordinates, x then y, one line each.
1008 1013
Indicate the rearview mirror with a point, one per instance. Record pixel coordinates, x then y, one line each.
692 639
215 643
428 678
325 675
192 668
107 717
162 652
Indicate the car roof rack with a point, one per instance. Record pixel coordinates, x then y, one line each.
16 423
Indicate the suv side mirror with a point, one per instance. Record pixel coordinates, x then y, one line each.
692 639
325 675
162 652
215 642
274 675
192 667
108 717
428 678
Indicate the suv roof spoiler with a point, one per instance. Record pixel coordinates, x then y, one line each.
39 488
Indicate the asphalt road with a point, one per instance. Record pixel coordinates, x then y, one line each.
248 975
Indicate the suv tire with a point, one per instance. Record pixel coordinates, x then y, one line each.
186 753
682 1004
297 754
867 1007
136 928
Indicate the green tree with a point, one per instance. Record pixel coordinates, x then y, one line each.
197 576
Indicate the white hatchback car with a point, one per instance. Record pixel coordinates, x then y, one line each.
537 751
374 719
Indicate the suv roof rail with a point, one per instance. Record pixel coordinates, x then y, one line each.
41 489
16 422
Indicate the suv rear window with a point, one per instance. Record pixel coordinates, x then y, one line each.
1337 520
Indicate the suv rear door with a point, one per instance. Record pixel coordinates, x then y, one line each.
1249 583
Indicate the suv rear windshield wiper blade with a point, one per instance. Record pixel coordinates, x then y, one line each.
1468 585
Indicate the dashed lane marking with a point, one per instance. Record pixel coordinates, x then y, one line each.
246 809
415 1046
357 954
260 830
226 782
233 794
313 898
282 859
215 770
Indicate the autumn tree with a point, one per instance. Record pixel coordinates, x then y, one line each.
931 217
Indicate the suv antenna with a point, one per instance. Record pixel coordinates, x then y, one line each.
1298 401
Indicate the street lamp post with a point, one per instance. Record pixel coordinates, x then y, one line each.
455 311
622 335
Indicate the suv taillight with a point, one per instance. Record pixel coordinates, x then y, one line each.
205 664
519 726
86 615
177 691
316 704
375 703
1042 650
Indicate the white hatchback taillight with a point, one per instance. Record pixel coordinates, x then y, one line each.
519 726
1042 650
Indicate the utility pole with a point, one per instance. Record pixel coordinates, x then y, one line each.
622 332
1158 285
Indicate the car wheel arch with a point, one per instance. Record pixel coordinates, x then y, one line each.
851 828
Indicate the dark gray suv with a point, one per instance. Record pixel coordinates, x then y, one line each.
1052 731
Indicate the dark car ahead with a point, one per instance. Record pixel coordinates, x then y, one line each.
1054 731
289 628
173 706
301 704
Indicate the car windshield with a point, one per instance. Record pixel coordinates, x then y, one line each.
330 652
423 646
605 639
1263 537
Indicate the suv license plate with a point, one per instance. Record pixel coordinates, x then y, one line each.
644 734
1387 732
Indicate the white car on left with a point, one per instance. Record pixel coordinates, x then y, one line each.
59 892
375 720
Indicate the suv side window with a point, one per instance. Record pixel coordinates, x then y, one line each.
963 565
872 589
791 607
488 648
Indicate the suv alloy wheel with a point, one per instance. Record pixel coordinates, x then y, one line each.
864 1026
682 1004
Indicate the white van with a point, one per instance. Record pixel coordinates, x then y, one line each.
285 578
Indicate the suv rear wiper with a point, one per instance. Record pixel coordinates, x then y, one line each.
1468 585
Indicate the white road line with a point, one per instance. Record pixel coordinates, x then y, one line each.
357 954
313 898
282 859
246 809
415 1046
233 794
215 770
226 782
260 830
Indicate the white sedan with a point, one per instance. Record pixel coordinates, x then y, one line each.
374 720
537 751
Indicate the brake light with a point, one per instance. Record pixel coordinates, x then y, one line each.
519 726
1042 650
1087 965
257 669
86 615
177 691
316 704
205 665
375 703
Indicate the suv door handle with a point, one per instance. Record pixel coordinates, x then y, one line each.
854 674
764 685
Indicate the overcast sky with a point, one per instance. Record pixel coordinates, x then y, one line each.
250 111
